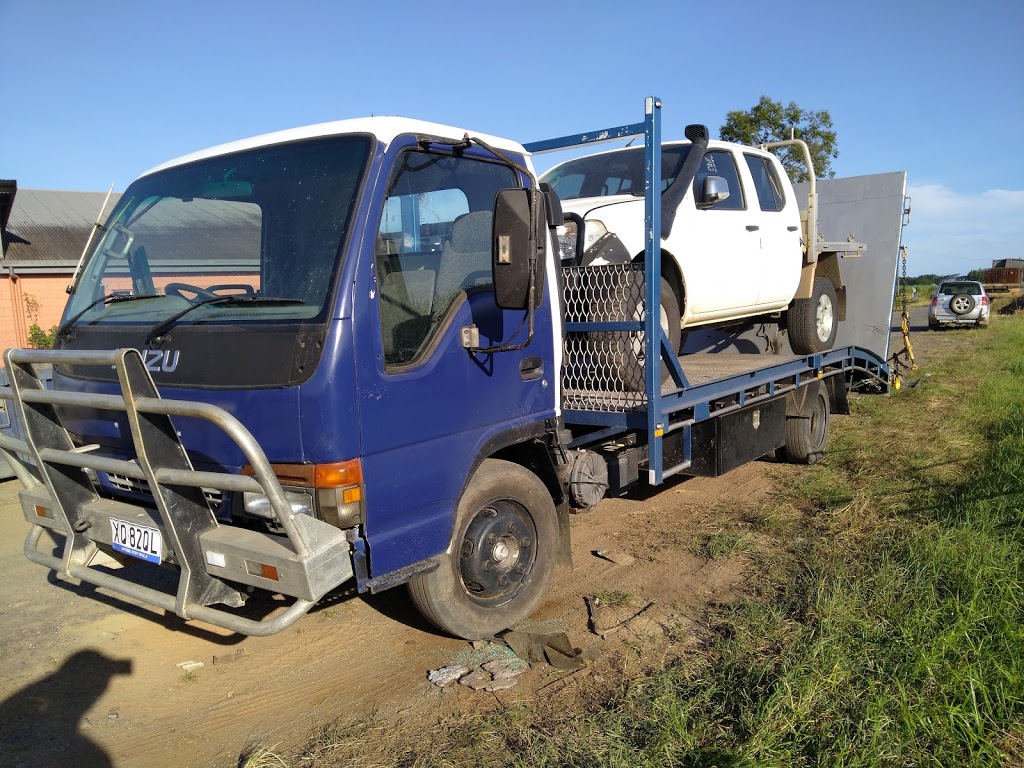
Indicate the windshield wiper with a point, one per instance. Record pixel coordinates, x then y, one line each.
160 328
110 298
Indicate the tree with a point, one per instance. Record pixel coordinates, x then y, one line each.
769 121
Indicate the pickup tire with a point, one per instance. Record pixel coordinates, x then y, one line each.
806 436
812 323
503 551
630 352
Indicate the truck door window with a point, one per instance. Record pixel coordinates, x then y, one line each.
766 183
721 163
433 245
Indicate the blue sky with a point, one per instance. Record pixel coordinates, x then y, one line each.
98 92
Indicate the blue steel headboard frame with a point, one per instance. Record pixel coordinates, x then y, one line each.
657 347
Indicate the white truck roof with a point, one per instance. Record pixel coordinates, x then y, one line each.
385 129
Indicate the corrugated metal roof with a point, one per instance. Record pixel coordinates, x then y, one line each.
52 225
8 188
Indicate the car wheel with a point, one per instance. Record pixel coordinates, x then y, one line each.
932 325
806 436
623 350
812 323
632 365
961 304
502 554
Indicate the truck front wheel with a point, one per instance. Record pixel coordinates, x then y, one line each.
812 323
502 554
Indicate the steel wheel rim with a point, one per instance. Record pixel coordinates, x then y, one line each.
960 305
498 553
824 318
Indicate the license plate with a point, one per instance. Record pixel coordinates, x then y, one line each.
139 541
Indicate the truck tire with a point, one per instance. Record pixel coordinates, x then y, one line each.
631 356
503 551
812 323
806 436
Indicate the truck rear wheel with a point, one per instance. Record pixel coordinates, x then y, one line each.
806 436
502 554
812 323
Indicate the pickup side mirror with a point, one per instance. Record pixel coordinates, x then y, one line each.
714 190
512 246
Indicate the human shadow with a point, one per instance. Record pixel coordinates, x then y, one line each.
41 725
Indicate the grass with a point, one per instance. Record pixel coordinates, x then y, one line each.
887 628
613 598
261 757
712 546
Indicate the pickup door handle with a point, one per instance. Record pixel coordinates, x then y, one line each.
531 368
792 228
752 227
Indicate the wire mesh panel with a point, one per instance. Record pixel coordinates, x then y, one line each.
604 340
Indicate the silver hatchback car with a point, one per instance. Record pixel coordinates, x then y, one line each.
959 302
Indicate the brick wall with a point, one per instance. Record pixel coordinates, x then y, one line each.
29 299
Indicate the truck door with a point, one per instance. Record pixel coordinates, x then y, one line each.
721 258
430 410
780 233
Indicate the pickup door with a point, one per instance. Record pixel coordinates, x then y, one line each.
719 247
779 229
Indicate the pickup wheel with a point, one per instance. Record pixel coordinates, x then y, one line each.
813 323
502 554
630 355
806 436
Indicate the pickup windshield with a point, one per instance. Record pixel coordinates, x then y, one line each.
612 173
263 227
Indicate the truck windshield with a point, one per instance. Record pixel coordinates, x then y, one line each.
260 229
612 173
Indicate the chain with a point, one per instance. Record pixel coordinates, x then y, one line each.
903 361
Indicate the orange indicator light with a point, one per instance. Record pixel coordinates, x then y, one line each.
268 572
338 475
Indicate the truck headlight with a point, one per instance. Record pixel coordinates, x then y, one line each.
334 493
258 504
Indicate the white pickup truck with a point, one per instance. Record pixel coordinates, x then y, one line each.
735 246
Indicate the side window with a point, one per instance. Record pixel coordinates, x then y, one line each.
720 163
433 245
766 183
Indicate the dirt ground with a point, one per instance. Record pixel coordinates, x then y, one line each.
85 682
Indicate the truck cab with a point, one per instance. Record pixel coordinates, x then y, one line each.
315 285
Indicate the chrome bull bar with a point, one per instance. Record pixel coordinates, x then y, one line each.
60 495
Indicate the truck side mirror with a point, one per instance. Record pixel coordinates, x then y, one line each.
714 190
512 245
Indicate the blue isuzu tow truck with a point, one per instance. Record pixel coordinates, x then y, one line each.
372 352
